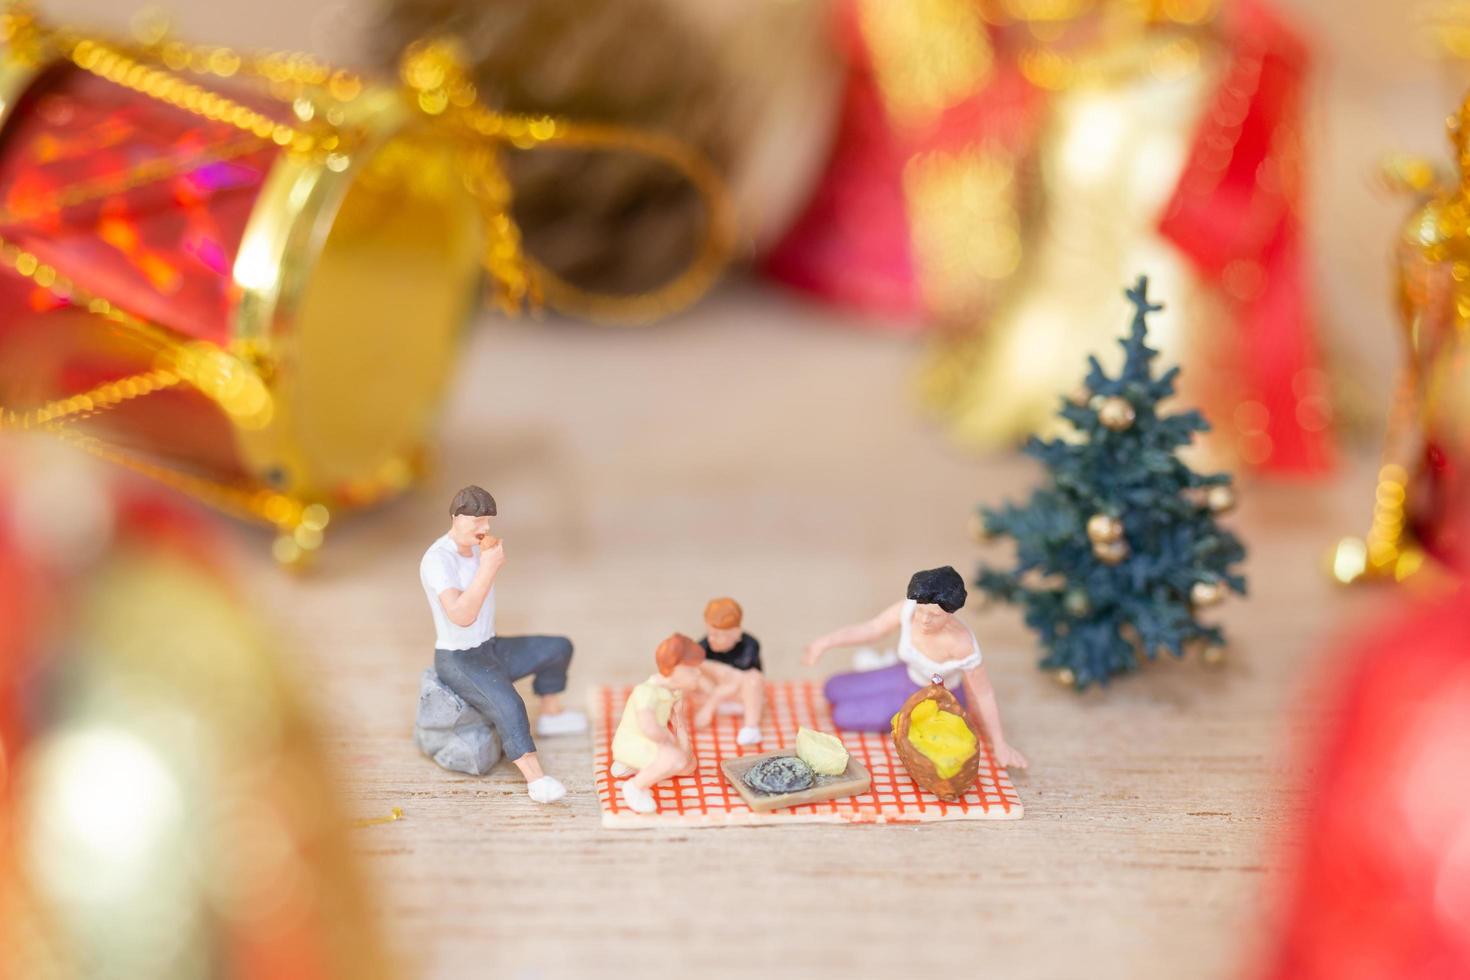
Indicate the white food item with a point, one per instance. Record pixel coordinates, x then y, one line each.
823 752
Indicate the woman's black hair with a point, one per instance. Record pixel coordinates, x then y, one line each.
941 587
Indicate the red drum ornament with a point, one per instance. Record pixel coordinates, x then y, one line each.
246 276
279 297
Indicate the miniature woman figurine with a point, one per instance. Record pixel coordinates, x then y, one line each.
732 666
931 642
651 742
458 574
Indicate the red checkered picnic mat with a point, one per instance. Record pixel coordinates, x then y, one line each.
706 798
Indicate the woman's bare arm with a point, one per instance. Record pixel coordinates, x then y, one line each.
868 631
981 695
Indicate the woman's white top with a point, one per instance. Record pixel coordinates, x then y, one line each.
921 668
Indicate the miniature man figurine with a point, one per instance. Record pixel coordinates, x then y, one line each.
458 574
733 668
651 743
931 642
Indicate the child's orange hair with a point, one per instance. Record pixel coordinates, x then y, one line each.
677 649
723 614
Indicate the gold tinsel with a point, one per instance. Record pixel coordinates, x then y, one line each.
1120 124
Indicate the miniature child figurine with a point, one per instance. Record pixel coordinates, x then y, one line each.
931 642
651 742
458 573
733 667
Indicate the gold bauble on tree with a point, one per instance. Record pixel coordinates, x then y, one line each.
1110 552
1104 528
1203 594
1209 654
1037 580
1116 413
1220 499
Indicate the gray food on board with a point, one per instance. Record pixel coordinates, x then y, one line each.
780 774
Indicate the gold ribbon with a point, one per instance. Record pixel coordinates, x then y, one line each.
434 72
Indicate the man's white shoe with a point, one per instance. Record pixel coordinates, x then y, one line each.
638 800
562 723
749 735
547 789
619 770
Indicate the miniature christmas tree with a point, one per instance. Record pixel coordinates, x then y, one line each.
1115 558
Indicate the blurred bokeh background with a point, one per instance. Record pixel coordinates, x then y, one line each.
1380 84
766 309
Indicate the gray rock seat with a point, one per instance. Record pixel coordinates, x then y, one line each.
452 733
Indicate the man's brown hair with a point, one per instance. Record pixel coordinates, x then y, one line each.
723 614
473 501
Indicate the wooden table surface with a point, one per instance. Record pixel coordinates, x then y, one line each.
754 449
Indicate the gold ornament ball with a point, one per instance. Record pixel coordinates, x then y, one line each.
1076 603
1206 593
1065 677
1036 580
1213 656
1102 528
1080 395
1116 413
1110 552
1220 499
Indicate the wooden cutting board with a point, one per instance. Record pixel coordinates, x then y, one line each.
854 780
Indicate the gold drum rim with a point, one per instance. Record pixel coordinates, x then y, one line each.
322 435
352 398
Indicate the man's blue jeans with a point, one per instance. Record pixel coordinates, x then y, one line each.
485 677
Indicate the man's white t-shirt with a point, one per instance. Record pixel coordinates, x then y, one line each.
443 568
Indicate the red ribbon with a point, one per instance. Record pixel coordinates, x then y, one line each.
1236 214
